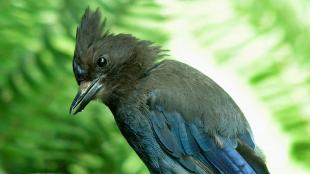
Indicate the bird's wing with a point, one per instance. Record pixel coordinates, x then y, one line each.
189 145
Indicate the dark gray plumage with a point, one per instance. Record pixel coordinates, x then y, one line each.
176 119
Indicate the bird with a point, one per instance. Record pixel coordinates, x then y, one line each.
177 119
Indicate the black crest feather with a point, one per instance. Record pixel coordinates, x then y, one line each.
90 30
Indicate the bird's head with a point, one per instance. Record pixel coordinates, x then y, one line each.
105 64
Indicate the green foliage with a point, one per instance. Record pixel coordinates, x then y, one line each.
285 66
37 86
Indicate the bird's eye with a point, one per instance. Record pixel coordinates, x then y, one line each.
102 61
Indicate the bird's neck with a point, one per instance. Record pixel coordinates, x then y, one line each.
121 88
126 85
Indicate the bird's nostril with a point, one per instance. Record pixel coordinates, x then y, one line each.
80 80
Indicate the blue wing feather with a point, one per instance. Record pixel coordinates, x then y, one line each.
226 159
187 142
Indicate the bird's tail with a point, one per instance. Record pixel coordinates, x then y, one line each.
256 162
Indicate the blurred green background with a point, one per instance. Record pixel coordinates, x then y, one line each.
258 50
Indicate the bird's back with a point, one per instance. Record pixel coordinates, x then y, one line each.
189 91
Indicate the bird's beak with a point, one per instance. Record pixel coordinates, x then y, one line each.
86 93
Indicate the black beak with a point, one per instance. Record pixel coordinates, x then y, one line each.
83 97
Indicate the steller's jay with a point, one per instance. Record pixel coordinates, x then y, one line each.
177 119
